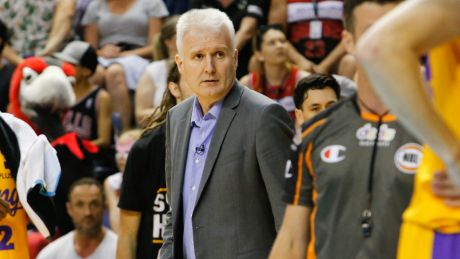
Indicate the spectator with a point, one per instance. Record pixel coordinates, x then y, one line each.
39 27
246 16
90 116
122 31
6 70
315 31
313 95
352 176
143 198
276 78
433 217
89 239
112 183
153 81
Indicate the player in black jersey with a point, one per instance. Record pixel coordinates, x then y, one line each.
143 204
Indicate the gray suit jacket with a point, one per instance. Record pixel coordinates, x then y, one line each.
239 206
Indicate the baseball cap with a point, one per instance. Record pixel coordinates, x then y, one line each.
79 53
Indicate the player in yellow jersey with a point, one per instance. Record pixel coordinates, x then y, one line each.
29 172
391 52
13 223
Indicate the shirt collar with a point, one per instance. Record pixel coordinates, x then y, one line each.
197 113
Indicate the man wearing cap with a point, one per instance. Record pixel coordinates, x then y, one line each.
90 116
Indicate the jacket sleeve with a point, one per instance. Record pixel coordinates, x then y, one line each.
273 139
166 251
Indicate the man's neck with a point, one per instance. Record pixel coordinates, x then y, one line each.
85 244
368 100
275 74
206 106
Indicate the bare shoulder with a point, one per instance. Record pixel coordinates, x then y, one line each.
245 80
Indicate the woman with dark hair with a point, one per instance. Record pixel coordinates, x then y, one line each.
275 78
143 203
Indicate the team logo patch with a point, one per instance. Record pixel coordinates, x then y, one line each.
333 154
367 134
409 157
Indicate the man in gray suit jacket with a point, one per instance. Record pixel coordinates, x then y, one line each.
226 151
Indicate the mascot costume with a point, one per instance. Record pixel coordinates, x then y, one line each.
40 92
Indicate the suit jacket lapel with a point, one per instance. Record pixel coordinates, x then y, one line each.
223 124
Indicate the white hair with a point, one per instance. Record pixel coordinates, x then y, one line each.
209 19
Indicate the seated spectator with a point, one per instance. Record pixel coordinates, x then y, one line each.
153 81
275 78
122 31
6 70
39 28
314 94
314 29
89 239
143 204
90 116
112 184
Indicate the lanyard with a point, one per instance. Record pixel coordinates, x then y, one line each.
366 216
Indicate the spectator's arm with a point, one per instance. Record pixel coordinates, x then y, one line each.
91 34
11 55
245 80
143 97
127 236
278 13
247 30
293 237
114 211
298 59
61 26
390 55
146 51
332 58
104 122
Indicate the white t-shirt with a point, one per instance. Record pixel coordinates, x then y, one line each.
63 248
158 72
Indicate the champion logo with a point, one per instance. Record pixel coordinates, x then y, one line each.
333 153
408 158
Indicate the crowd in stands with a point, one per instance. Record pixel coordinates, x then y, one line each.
299 53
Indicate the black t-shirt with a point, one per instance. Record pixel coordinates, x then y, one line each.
5 77
236 11
144 189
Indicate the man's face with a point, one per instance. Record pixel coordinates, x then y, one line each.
86 208
207 63
317 101
365 15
